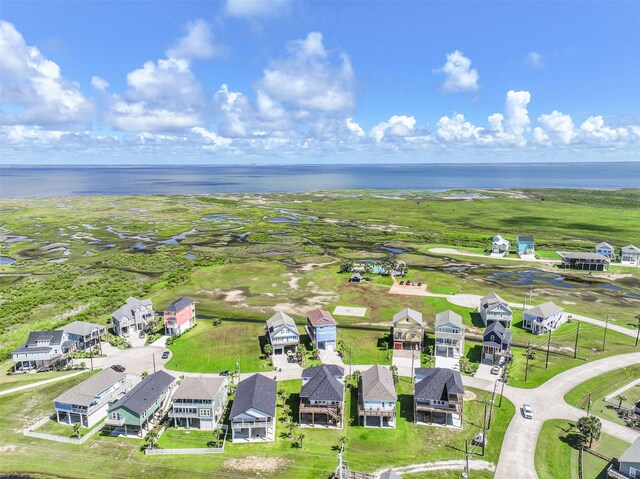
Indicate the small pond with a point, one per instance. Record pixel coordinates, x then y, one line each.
6 260
58 260
175 239
282 219
190 255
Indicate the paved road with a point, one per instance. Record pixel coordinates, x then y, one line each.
453 251
41 383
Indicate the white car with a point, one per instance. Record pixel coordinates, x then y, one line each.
527 411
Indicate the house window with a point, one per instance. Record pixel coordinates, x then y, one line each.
205 412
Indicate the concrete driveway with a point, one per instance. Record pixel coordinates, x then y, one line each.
135 360
403 361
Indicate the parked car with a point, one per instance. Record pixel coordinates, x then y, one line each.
165 355
419 284
141 335
401 283
226 372
527 411
118 368
495 369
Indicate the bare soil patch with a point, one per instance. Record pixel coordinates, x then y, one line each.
256 464
469 396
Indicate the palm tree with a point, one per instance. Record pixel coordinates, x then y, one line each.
300 438
590 428
268 350
292 429
76 430
342 442
301 352
394 373
151 437
620 399
144 374
282 394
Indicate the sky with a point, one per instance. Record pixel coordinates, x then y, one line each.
322 82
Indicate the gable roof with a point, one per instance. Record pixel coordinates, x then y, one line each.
320 317
492 300
632 454
130 305
279 320
56 337
498 239
84 393
333 369
377 384
604 245
199 388
448 316
438 384
180 304
497 328
408 312
81 328
631 249
525 239
256 392
585 256
389 474
145 392
323 385
544 310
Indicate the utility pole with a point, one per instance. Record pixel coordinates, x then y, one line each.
575 348
546 366
91 357
638 334
526 369
466 455
505 378
604 340
413 357
493 396
589 405
484 427
524 302
154 362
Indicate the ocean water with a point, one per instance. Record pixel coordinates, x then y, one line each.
20 182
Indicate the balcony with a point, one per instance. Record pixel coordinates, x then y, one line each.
177 414
454 408
362 411
306 407
114 422
244 424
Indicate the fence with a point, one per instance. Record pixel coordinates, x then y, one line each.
202 450
29 432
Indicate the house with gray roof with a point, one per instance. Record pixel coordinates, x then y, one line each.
143 406
630 256
253 412
89 401
199 402
389 474
43 350
86 335
544 317
282 333
132 317
585 261
322 396
180 316
605 249
377 398
628 465
494 308
438 397
449 335
499 246
408 330
496 344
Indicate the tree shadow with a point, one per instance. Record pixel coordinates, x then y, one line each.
386 339
573 439
353 406
406 406
474 354
476 320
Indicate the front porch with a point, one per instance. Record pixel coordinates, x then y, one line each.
450 416
377 418
259 431
314 415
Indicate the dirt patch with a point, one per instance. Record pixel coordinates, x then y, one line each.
293 281
256 464
8 448
231 296
469 396
310 266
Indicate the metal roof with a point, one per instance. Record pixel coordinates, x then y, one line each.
256 392
279 320
410 313
525 239
586 256
632 454
81 328
389 474
448 316
145 392
377 384
84 393
604 245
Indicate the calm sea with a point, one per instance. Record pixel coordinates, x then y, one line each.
19 182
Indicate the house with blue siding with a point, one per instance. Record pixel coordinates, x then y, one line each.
377 398
321 328
496 344
525 245
88 402
605 249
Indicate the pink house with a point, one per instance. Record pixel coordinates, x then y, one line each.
180 316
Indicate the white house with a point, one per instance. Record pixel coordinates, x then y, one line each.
605 249
43 349
88 402
133 316
630 256
253 413
543 318
499 245
282 333
377 398
494 308
449 335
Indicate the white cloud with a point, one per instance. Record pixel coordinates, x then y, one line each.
459 74
34 86
398 126
256 8
354 127
457 129
215 139
595 129
21 133
555 127
516 116
99 83
534 59
165 95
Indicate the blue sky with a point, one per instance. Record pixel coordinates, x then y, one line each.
281 81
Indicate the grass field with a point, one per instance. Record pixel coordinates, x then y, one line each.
367 449
10 381
557 453
601 386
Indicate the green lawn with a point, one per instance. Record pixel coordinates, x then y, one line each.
557 453
186 439
365 346
601 386
54 427
445 474
10 381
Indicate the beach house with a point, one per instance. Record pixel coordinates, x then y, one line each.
438 397
377 398
407 330
199 402
449 342
143 406
630 256
282 333
253 412
525 246
322 396
496 344
43 350
321 328
606 250
179 316
88 402
544 317
132 317
499 245
85 335
494 308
